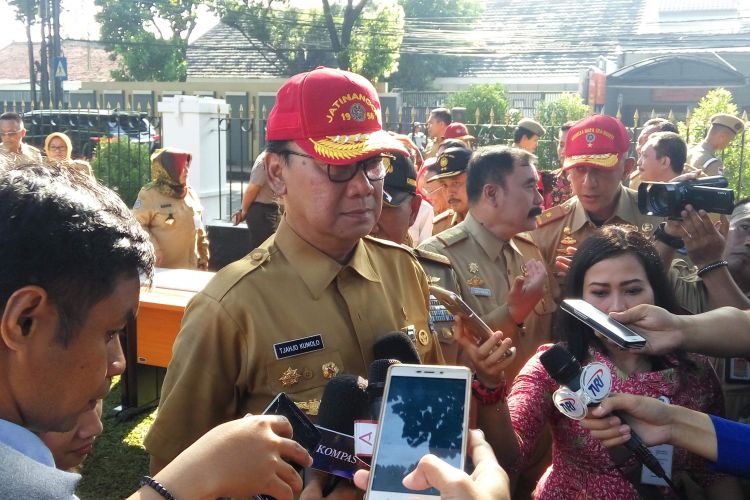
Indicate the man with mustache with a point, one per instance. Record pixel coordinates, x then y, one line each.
499 268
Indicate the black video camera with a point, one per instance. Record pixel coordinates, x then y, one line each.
668 199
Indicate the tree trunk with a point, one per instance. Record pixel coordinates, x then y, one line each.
32 69
43 63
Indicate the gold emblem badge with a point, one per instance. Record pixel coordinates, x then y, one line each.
330 370
647 227
289 377
473 268
443 162
424 337
310 407
475 280
433 280
387 164
567 240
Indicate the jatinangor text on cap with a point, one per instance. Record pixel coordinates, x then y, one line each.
332 115
597 141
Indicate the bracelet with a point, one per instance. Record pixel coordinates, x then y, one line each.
157 487
487 396
661 235
710 267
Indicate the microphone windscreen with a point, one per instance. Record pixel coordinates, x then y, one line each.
396 345
562 366
344 400
378 372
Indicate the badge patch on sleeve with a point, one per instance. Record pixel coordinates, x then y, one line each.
298 346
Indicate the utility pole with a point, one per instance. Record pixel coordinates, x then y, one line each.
43 62
56 53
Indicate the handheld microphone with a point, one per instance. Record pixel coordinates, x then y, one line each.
588 387
344 400
396 345
376 376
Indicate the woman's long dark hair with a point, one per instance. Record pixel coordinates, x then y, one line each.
607 243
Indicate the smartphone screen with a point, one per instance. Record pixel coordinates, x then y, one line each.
420 415
601 322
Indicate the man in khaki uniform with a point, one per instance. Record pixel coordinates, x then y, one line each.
703 156
499 267
13 151
172 214
311 301
438 121
452 178
596 162
527 134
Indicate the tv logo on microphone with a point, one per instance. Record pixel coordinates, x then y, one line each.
595 384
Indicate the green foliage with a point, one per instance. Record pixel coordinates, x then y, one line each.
124 166
418 68
149 36
363 38
735 156
566 107
486 98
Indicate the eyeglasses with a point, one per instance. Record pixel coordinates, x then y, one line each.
57 148
373 167
12 133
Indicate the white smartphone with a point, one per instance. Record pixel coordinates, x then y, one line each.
602 323
425 410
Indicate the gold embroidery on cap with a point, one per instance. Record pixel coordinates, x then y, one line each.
387 164
289 377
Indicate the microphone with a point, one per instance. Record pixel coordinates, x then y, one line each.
396 345
588 387
376 376
344 400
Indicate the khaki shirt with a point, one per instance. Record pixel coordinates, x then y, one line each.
80 165
485 274
175 226
445 220
569 225
440 273
28 154
285 293
259 177
703 157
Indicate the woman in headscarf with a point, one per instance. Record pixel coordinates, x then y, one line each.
170 211
58 149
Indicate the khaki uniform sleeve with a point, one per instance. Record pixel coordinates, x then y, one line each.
432 354
500 319
204 381
144 212
202 242
688 288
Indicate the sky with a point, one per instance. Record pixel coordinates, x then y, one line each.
76 20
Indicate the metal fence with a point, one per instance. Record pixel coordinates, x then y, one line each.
118 142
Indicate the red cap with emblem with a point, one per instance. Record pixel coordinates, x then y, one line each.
333 115
597 141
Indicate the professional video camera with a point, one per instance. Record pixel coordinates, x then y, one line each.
668 199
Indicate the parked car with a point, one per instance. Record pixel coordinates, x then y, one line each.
87 127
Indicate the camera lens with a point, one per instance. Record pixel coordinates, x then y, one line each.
659 200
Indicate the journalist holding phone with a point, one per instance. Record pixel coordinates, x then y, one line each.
615 269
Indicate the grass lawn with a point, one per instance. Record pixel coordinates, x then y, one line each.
118 460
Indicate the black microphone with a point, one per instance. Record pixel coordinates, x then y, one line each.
344 400
565 369
376 376
396 345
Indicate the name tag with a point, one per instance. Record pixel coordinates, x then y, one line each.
299 346
480 292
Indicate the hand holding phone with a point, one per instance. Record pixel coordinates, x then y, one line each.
425 411
455 304
613 330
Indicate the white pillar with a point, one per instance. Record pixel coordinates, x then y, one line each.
192 123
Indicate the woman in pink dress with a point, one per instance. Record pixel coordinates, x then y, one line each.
614 270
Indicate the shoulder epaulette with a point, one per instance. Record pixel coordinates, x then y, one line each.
443 215
432 257
390 244
256 257
552 214
452 235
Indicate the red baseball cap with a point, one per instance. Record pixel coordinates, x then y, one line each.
597 141
332 115
457 130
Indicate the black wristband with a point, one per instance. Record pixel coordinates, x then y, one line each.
710 267
157 487
661 235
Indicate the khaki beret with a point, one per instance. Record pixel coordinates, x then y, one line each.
729 121
532 125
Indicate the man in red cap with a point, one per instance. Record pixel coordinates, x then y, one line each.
596 161
310 301
459 131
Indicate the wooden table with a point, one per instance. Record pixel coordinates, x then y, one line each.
149 338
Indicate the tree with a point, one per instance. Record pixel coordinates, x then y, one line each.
362 37
566 107
486 98
150 36
26 12
735 155
420 61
